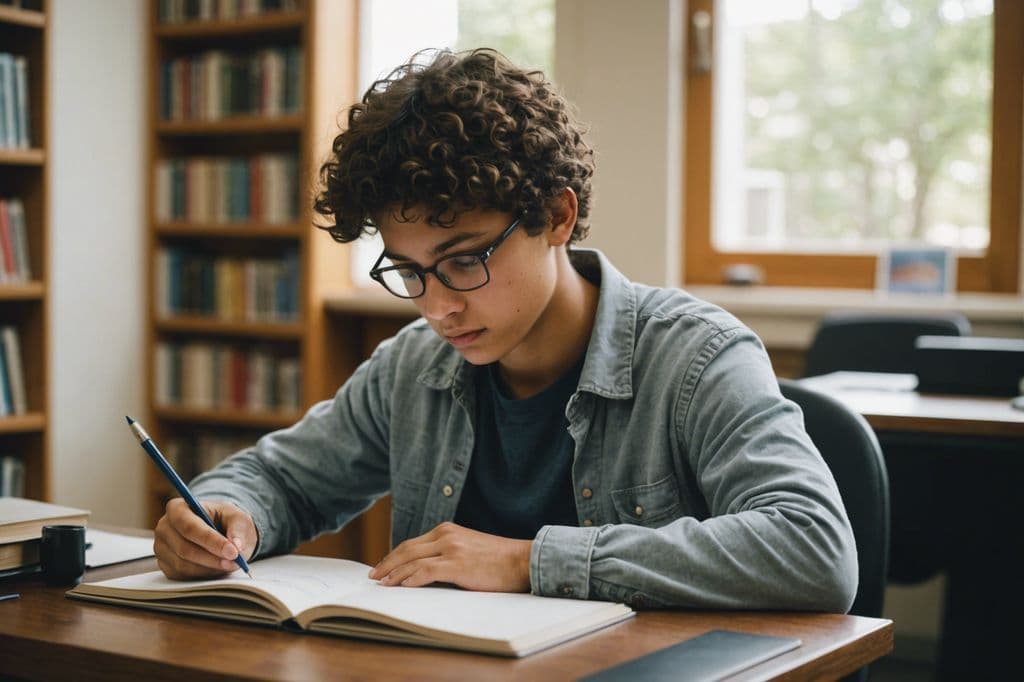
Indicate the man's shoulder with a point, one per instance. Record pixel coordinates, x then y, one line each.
662 310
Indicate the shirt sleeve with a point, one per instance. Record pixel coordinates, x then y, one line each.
318 474
776 535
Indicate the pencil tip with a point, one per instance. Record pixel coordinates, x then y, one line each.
130 420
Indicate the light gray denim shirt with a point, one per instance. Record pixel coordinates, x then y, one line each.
695 482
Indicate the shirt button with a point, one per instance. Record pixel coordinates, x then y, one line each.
587 493
639 511
447 491
588 523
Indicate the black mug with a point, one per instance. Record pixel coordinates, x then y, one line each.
62 555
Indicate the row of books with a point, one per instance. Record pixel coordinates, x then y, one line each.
220 190
181 11
202 375
13 399
195 453
227 287
12 476
14 118
214 84
14 260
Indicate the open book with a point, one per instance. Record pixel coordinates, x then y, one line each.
335 596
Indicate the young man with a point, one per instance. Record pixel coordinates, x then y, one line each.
548 426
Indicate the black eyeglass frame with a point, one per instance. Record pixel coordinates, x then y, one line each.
377 272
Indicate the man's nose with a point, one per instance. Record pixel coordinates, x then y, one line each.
438 301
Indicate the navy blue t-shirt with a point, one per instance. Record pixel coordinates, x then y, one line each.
520 477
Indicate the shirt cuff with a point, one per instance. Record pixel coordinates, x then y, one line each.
560 561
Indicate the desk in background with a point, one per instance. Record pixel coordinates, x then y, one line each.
956 502
45 635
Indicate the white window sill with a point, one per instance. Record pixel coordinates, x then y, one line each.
787 317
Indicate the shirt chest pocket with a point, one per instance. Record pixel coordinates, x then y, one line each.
407 501
651 505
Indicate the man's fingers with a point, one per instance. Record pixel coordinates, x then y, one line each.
193 528
178 568
410 550
420 572
175 547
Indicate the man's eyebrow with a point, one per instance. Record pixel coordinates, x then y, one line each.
440 248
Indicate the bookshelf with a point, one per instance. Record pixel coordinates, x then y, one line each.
237 271
24 298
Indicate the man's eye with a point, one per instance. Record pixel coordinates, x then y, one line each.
407 275
465 261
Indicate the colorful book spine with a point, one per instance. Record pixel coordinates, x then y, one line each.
203 375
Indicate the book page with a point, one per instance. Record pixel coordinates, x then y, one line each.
292 582
491 615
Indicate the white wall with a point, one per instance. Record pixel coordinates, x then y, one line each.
620 63
96 147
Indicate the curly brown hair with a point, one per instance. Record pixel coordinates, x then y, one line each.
465 131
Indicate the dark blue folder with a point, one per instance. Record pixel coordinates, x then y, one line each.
711 656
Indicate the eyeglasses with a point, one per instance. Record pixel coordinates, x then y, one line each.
459 271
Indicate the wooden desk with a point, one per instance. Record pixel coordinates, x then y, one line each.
895 410
46 635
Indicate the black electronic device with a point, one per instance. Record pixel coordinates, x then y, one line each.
969 365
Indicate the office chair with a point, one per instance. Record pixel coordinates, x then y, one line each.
851 450
871 342
919 481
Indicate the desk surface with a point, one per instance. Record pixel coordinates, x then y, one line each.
903 410
46 635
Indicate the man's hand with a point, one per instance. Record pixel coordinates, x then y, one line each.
460 556
187 549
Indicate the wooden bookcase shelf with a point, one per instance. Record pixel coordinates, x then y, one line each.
25 177
231 231
33 422
22 157
16 16
211 326
228 418
234 125
246 26
325 32
28 291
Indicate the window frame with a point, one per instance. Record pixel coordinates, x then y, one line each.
995 271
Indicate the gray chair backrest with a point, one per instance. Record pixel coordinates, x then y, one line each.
851 450
869 342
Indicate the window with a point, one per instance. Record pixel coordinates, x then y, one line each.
819 132
393 30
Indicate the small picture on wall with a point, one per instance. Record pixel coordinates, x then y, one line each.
922 270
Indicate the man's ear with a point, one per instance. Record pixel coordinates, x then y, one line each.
563 217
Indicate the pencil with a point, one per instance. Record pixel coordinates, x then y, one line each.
171 475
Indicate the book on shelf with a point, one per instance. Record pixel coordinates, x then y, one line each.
14 115
190 282
12 476
14 260
335 596
22 519
197 451
12 377
203 375
181 11
226 190
216 84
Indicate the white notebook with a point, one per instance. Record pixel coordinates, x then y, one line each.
335 596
